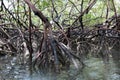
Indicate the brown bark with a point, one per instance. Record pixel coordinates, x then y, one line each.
47 25
38 13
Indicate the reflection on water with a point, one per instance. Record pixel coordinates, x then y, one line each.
12 69
97 70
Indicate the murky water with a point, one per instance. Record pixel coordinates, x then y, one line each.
12 69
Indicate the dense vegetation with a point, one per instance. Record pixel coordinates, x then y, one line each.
53 34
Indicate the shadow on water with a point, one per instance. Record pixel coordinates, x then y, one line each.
12 69
116 56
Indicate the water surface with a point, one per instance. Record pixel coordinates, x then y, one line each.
12 68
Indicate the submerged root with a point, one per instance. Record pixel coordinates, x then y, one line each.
55 54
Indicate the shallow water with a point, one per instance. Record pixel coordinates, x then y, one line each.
97 70
13 69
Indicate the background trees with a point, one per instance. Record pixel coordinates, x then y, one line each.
84 26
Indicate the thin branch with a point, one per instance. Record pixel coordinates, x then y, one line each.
85 11
18 21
